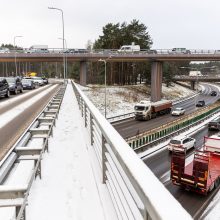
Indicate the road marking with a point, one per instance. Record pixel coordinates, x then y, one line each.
8 116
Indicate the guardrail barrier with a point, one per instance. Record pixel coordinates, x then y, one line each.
22 164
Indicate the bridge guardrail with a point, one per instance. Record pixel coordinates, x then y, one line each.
40 129
145 140
129 181
115 51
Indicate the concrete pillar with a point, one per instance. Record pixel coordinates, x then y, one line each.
156 81
192 85
83 73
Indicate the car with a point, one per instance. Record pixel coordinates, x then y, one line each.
38 80
200 103
178 111
213 93
28 83
183 141
4 88
4 50
45 80
214 124
15 85
180 51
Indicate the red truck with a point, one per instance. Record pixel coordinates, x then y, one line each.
202 174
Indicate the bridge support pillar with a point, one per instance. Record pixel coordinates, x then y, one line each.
156 81
83 73
192 85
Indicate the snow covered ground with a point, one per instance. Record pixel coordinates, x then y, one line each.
68 189
121 99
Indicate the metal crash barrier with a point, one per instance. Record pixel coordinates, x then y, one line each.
25 157
135 191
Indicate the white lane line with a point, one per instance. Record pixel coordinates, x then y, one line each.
14 99
8 116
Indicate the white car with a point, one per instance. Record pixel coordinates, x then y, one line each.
182 141
38 80
178 111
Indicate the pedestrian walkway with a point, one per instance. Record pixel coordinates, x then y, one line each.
70 188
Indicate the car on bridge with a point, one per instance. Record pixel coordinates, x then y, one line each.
15 84
4 88
180 51
4 50
178 111
28 84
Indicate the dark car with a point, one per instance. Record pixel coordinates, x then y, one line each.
15 84
28 84
213 93
214 124
4 88
200 103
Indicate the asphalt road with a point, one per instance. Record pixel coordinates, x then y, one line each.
13 130
159 162
132 127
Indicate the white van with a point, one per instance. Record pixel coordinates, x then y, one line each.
129 48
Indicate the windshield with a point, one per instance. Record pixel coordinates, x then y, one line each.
26 81
140 108
10 80
175 142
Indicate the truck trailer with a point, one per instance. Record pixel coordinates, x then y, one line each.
202 174
146 110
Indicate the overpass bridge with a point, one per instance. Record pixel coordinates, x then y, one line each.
194 79
156 57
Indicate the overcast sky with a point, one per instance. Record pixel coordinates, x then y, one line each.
194 24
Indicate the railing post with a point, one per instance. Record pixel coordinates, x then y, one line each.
104 178
85 114
91 129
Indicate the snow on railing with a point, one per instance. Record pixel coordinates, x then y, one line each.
41 129
135 191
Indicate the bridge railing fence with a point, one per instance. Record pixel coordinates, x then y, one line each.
135 191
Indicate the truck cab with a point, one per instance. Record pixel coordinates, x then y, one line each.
142 109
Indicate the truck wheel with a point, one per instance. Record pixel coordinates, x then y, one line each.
148 118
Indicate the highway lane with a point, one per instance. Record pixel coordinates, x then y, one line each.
14 100
160 162
131 127
12 131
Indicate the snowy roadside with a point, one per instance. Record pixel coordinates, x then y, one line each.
121 99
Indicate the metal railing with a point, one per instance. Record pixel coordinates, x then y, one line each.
40 128
116 51
135 192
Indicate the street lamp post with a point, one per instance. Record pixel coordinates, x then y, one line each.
65 57
101 60
16 68
64 70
